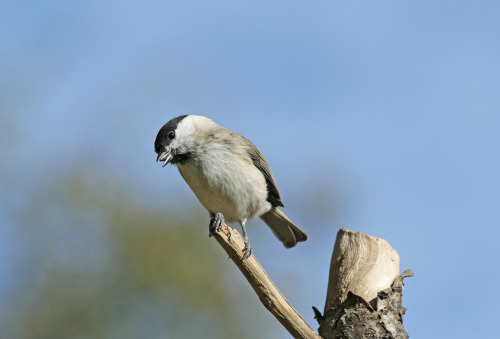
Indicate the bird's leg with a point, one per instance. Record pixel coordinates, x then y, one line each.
215 223
248 248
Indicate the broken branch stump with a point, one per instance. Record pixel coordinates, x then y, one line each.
364 290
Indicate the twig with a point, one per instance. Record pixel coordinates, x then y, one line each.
266 290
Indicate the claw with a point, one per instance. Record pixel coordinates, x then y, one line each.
247 250
215 223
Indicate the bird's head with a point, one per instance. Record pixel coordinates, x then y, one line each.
179 138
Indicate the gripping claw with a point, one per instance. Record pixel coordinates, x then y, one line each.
215 224
247 250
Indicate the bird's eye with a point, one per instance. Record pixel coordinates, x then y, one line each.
171 135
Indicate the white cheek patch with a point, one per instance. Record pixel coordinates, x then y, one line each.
189 130
184 135
184 129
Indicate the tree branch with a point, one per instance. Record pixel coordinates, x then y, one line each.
232 242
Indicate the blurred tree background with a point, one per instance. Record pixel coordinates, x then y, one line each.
95 262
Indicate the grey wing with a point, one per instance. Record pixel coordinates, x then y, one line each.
273 195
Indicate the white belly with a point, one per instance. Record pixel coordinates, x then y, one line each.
227 184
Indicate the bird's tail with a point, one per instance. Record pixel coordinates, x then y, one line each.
283 228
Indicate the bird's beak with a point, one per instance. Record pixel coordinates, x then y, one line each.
165 157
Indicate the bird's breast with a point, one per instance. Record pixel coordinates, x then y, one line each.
227 184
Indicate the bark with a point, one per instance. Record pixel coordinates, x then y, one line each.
364 290
355 318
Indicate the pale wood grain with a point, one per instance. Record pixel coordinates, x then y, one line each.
361 264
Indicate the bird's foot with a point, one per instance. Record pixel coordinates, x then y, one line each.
247 250
215 224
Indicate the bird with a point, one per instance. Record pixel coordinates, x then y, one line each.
228 175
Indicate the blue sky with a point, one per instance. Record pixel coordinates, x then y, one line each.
390 108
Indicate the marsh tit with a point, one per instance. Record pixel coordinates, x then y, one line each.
228 175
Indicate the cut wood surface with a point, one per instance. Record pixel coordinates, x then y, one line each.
360 264
268 293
